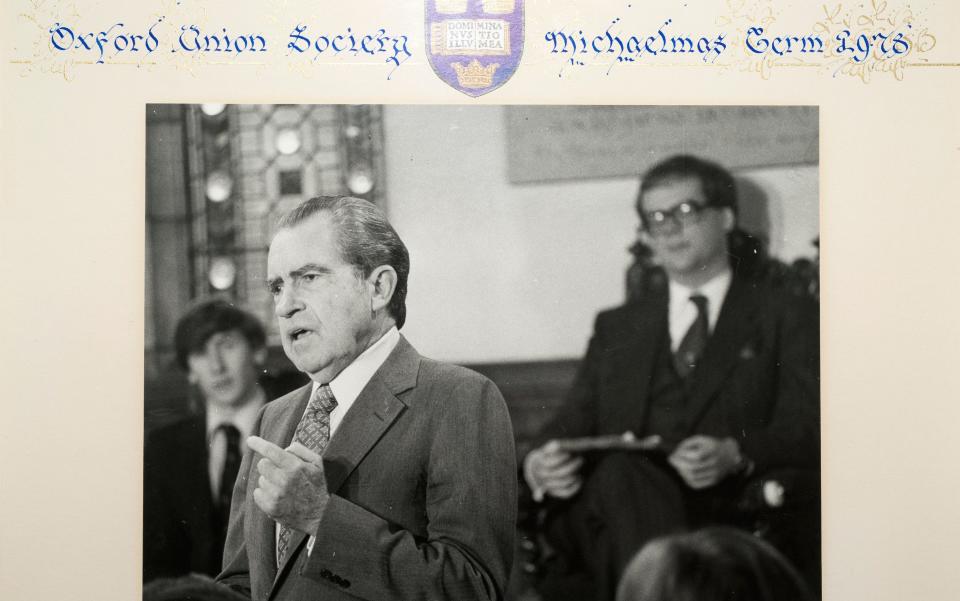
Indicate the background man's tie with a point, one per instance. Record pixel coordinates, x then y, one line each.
228 474
695 340
313 432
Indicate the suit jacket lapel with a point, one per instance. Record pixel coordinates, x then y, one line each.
193 457
721 354
365 422
635 361
371 414
280 433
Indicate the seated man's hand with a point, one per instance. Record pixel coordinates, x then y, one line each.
552 471
703 461
292 488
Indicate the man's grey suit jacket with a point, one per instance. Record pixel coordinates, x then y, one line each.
422 477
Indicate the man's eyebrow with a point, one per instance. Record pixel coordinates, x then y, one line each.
310 267
276 281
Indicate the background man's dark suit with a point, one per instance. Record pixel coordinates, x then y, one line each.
423 493
221 349
757 382
181 528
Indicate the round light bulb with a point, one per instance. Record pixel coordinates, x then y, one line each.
219 186
223 273
288 141
360 181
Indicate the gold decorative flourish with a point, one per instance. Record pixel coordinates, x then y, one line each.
849 46
867 20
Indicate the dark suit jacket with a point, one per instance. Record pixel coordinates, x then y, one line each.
422 476
179 528
758 380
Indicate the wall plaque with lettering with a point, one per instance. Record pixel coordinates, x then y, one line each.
547 143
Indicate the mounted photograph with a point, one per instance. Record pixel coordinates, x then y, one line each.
521 352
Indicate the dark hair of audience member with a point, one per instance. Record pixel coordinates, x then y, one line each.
718 184
189 588
212 317
713 564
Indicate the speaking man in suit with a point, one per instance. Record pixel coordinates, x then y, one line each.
190 465
721 368
390 476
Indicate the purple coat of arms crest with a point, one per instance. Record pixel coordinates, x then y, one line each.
474 45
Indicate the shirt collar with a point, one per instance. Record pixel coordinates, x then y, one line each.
350 382
243 418
715 290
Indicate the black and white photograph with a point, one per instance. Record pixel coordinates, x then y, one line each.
499 352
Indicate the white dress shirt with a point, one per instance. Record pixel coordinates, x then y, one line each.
682 312
243 419
350 382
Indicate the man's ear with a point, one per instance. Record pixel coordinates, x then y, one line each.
383 282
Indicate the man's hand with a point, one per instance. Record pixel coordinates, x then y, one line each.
703 461
292 488
555 472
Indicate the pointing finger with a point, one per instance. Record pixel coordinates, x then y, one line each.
271 451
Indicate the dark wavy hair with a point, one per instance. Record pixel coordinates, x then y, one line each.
719 187
212 317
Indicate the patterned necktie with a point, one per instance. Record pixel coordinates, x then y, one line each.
313 432
695 340
228 475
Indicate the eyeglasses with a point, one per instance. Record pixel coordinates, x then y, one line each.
660 223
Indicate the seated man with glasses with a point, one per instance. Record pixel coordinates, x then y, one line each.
719 376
